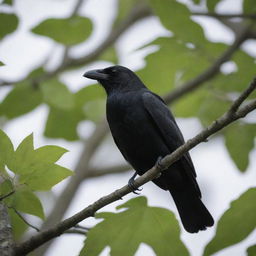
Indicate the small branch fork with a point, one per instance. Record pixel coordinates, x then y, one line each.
235 112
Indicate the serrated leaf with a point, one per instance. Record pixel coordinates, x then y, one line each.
8 24
138 224
251 251
239 140
57 95
44 176
49 154
249 6
175 16
235 224
18 225
23 157
211 4
63 124
6 150
26 201
22 99
36 168
68 31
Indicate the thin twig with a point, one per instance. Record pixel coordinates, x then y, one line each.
24 220
75 231
226 15
7 195
237 103
89 211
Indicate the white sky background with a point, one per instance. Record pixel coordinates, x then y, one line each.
219 179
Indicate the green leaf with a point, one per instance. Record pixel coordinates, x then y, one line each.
26 201
175 17
110 55
239 140
68 31
189 105
36 168
5 188
8 24
44 176
124 8
212 107
249 6
1 63
49 154
18 225
6 150
162 62
23 157
57 95
235 224
68 120
89 93
138 224
196 1
95 110
22 99
63 124
211 4
251 251
238 80
9 2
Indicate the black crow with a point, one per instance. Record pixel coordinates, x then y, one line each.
144 129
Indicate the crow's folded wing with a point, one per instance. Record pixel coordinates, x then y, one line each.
166 127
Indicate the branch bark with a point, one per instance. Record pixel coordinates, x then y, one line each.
226 15
235 112
6 239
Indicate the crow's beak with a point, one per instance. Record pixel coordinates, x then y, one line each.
96 74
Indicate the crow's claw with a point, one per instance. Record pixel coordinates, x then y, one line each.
158 163
132 186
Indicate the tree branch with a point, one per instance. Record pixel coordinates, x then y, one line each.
210 72
226 15
6 239
89 211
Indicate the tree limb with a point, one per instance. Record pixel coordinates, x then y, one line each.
229 117
6 239
226 15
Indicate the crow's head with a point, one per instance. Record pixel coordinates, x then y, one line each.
115 78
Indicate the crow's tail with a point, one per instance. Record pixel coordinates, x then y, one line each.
193 213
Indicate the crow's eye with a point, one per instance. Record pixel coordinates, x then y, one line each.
113 70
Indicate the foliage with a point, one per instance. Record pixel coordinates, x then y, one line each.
27 170
235 224
127 229
68 31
